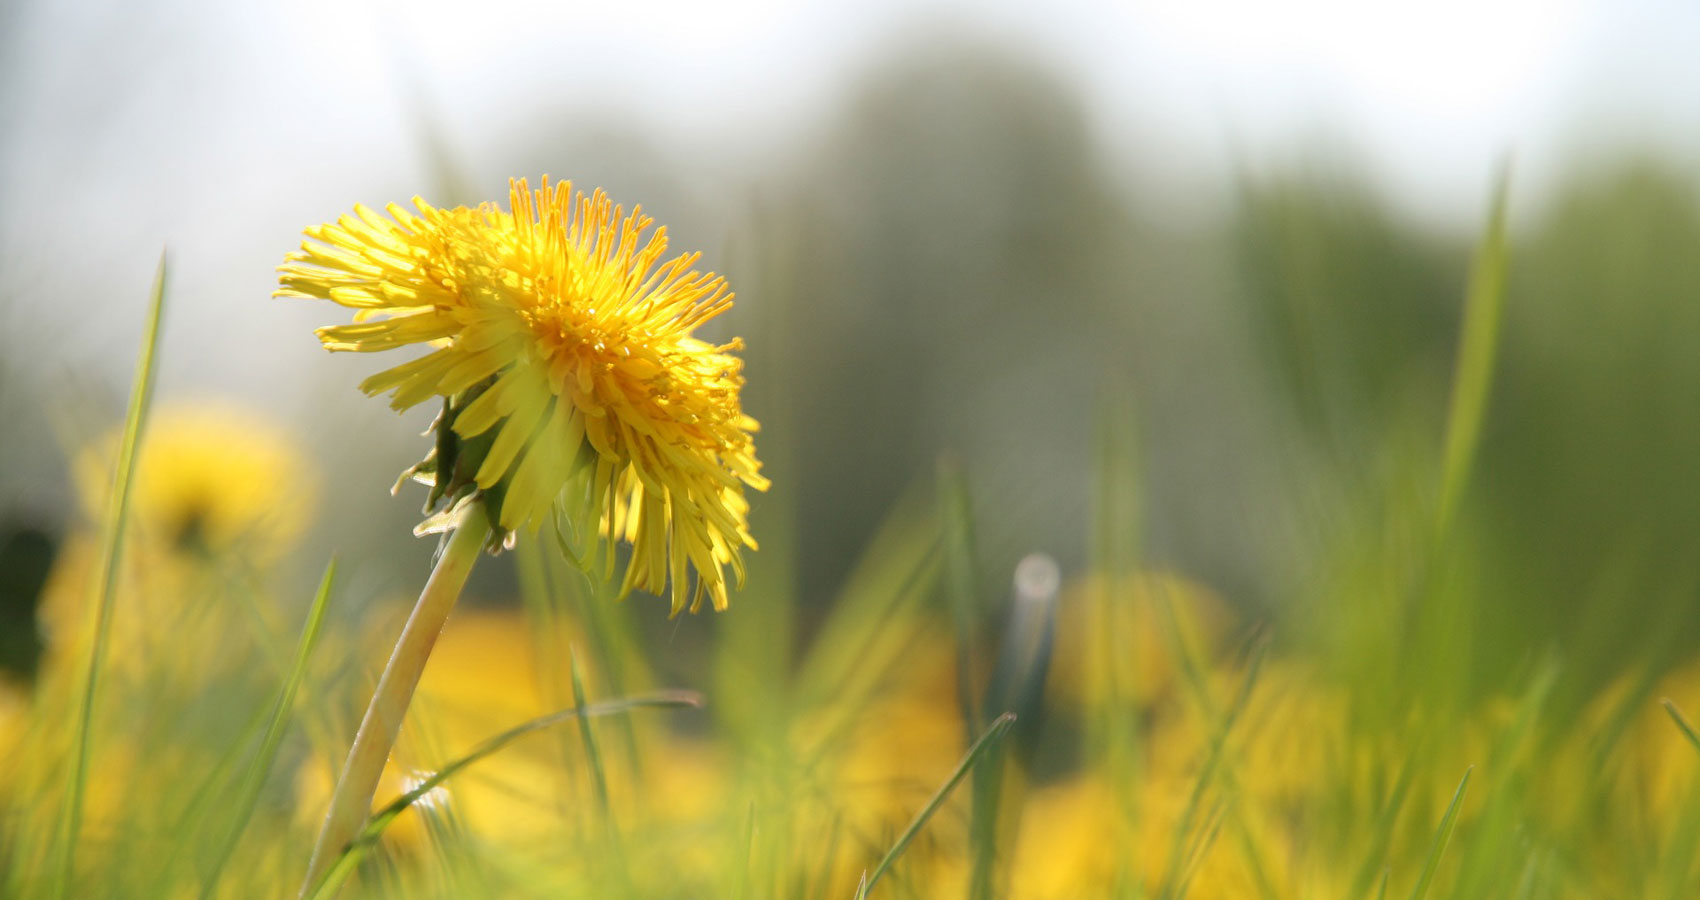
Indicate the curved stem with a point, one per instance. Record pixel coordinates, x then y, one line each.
351 802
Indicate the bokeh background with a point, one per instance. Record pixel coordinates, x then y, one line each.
974 230
1156 303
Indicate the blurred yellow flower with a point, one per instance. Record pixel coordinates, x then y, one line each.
482 679
1114 639
210 478
213 483
572 383
1655 771
489 672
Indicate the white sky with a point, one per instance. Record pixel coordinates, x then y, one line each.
1427 95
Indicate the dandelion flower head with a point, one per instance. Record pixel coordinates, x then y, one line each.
216 484
573 389
211 478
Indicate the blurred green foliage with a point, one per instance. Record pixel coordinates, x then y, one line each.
1257 399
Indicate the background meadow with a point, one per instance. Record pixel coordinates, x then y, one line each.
1288 416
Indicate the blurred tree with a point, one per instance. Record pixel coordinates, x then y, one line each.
1355 312
946 290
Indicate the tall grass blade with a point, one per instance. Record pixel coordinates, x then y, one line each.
896 573
1484 307
981 747
1383 834
1206 840
1112 732
1255 856
1681 722
106 579
1178 856
1531 869
599 778
741 877
957 524
1442 837
368 836
248 793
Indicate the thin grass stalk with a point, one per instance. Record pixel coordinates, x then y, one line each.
599 778
118 511
248 794
1442 837
983 746
339 868
1112 729
1472 382
956 523
1376 858
1213 763
1681 722
351 801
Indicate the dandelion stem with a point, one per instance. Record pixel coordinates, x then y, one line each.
351 802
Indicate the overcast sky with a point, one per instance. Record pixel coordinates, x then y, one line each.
223 128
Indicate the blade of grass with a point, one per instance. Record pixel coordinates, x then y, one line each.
1604 742
1488 861
894 574
592 751
363 842
1207 774
248 793
1531 869
1681 722
1254 855
741 877
1116 542
1442 837
186 829
1472 382
118 513
981 747
1383 835
599 777
1206 840
956 521
1112 730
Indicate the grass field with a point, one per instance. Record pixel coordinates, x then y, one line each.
1118 731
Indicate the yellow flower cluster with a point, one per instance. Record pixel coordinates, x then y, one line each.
573 388
211 478
216 485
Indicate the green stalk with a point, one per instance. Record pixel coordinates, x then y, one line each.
1478 343
338 870
118 511
1443 837
351 802
981 748
248 794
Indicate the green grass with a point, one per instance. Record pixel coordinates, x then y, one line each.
105 592
1135 735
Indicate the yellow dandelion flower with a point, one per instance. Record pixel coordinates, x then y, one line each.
214 483
573 389
211 478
